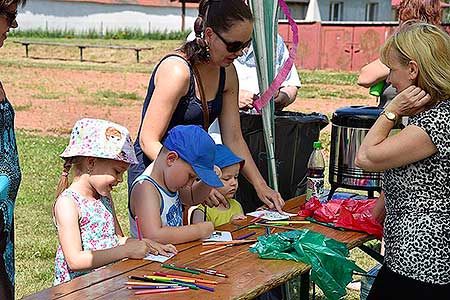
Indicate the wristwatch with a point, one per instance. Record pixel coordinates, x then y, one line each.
391 116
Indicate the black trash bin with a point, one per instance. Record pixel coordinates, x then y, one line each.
294 136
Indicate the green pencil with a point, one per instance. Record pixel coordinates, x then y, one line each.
180 269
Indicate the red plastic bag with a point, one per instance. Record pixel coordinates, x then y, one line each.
348 213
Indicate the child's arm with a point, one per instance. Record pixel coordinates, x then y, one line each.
198 216
66 216
146 204
155 247
195 195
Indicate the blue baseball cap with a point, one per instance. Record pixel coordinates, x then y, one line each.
197 148
225 157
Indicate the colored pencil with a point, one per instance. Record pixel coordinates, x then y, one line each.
151 287
137 228
246 236
168 280
287 222
275 226
273 230
199 280
234 242
178 289
205 271
144 283
173 267
213 250
187 280
140 278
203 287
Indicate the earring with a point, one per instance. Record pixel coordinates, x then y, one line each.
207 52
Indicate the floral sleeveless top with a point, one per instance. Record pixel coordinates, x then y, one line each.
96 222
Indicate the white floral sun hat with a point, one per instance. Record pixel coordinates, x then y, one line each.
102 139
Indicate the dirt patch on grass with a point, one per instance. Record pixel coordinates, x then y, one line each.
49 101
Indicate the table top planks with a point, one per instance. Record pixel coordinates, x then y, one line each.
248 275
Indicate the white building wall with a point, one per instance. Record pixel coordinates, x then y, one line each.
81 16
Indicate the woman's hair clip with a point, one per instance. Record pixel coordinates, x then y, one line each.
65 173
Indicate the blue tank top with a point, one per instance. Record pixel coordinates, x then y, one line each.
188 112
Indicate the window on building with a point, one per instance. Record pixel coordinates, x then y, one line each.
298 11
336 11
372 12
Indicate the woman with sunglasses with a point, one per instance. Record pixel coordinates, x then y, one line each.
9 164
201 75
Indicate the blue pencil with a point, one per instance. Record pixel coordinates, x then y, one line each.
246 236
203 287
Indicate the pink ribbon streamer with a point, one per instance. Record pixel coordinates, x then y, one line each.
284 72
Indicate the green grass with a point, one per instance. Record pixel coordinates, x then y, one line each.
312 91
118 34
325 77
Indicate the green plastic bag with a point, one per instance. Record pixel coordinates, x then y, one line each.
331 269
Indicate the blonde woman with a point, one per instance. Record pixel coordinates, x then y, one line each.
416 165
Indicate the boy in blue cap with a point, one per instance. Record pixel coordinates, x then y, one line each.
230 166
188 153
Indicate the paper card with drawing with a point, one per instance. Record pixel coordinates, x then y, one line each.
159 258
270 215
219 236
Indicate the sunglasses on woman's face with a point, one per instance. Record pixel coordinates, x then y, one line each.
10 16
234 46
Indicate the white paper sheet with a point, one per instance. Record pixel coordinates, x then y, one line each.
270 215
220 236
159 258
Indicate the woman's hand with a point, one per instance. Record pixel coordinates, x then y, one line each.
409 102
246 99
215 198
270 197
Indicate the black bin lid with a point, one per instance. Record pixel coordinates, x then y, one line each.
356 116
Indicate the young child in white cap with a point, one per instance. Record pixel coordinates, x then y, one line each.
88 230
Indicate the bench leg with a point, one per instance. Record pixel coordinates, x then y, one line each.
137 55
81 53
26 50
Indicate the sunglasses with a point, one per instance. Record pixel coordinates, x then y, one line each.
234 46
10 16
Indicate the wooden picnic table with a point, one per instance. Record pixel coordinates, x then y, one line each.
82 47
248 275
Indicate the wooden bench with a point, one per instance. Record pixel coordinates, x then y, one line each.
82 47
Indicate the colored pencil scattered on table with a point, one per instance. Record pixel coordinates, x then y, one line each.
151 287
199 280
233 242
168 280
144 283
246 236
173 267
275 226
213 250
204 271
273 230
161 291
287 222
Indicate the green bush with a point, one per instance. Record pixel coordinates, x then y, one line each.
124 34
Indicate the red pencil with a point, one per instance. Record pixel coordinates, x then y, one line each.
137 227
158 291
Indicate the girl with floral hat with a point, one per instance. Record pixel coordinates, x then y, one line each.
88 230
